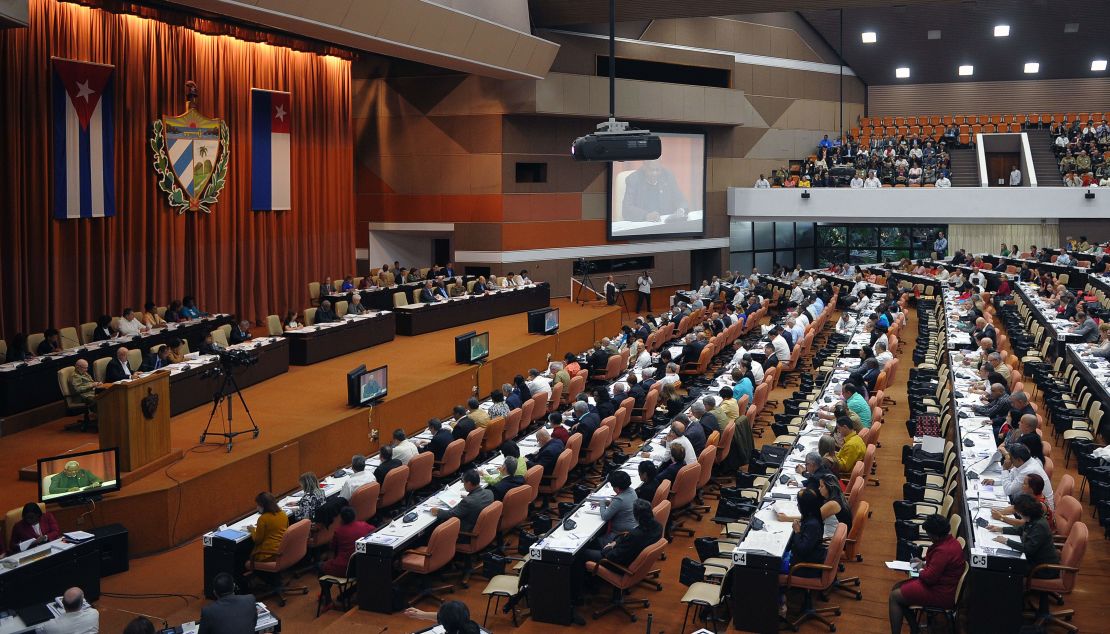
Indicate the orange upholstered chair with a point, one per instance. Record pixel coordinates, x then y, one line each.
512 424
550 485
495 433
291 550
817 584
420 472
574 444
533 477
473 445
683 490
452 460
438 553
599 443
393 489
1071 555
514 509
365 500
539 407
624 579
485 531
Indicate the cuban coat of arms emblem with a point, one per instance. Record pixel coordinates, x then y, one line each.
191 153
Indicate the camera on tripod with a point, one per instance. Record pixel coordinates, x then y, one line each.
622 286
236 358
582 266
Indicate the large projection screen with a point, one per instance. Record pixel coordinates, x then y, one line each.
664 198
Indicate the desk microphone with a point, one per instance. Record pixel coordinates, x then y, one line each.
165 623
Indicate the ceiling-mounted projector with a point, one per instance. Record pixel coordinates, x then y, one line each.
613 141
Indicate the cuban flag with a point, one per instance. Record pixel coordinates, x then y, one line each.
270 131
84 140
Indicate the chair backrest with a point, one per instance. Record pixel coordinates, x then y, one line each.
526 410
314 292
87 329
832 557
1068 511
642 565
1064 488
707 458
868 459
577 386
393 489
662 512
442 545
452 458
532 478
557 398
574 444
273 325
512 424
219 337
561 471
539 406
99 367
364 500
294 544
309 316
685 485
724 447
341 307
514 508
599 442
485 528
612 368
135 359
68 337
400 299
473 445
662 492
1071 554
495 432
859 520
64 375
420 471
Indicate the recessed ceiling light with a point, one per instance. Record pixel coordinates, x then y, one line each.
1032 67
1098 64
901 73
869 37
1071 27
967 70
1002 30
934 34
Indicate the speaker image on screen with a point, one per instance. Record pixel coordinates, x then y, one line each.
663 198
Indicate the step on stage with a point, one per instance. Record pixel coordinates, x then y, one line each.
306 426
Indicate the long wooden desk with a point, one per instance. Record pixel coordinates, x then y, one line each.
417 319
34 383
194 382
320 342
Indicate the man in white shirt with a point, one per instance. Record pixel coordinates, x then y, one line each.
782 349
77 619
797 331
403 448
882 355
643 294
538 382
129 325
857 182
677 435
1022 463
762 183
797 295
672 374
943 181
1015 177
757 369
360 477
872 181
643 360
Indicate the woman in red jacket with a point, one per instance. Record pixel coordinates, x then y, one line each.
343 541
936 584
36 525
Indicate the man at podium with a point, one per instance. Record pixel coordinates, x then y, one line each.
73 478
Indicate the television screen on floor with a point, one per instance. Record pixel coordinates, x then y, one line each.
77 476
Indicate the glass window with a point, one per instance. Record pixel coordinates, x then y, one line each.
765 260
764 235
893 255
863 236
785 257
740 236
832 236
827 256
804 257
803 234
740 261
893 237
784 235
863 256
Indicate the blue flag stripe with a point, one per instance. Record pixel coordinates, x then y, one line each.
260 150
59 99
86 173
107 104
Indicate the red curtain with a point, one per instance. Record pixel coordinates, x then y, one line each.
64 272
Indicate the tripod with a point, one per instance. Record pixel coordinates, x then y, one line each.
228 390
585 282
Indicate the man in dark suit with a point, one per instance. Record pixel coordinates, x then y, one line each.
636 390
231 613
694 432
509 480
511 397
325 313
240 332
440 439
985 329
587 422
771 360
642 329
156 360
707 419
468 508
388 463
463 424
209 345
550 448
624 549
118 369
428 293
598 359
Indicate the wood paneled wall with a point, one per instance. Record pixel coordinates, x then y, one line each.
989 97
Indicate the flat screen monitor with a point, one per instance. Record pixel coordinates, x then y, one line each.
373 385
551 321
664 198
74 477
353 388
536 319
479 347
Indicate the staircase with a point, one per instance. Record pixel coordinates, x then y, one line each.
965 167
1045 165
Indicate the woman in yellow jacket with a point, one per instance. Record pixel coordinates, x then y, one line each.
267 534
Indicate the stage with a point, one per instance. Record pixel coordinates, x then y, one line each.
306 425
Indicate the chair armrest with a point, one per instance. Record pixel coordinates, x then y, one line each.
613 565
267 552
1060 567
422 551
795 567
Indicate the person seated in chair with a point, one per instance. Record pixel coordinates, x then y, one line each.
549 452
509 478
209 346
428 294
938 574
441 437
388 463
35 526
156 360
118 368
469 507
77 619
350 530
240 332
325 313
230 613
626 547
51 343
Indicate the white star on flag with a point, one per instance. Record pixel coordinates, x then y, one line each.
280 113
83 90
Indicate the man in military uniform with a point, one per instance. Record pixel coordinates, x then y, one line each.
73 478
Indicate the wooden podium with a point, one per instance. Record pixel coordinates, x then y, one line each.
142 437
